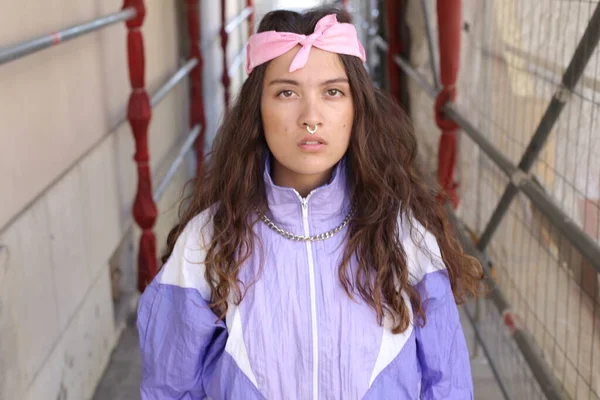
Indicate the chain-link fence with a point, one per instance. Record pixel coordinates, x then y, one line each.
516 65
529 176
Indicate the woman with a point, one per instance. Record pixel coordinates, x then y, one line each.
310 261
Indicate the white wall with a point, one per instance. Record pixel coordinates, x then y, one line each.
68 180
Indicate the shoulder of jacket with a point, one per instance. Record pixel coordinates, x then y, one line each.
423 254
186 267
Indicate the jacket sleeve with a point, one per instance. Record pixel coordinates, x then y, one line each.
180 336
441 347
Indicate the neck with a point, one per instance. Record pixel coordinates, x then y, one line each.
302 183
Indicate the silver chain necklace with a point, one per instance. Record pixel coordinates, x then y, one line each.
315 238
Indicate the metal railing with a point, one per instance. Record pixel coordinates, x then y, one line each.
520 180
133 10
55 38
530 350
173 81
227 28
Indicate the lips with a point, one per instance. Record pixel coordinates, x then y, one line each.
312 141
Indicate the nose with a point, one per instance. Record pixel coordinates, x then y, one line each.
310 115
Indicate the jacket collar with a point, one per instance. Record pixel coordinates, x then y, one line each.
328 205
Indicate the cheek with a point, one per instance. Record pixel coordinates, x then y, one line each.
346 118
275 119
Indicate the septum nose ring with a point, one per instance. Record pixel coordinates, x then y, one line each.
312 131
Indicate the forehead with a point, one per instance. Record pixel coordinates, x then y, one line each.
322 65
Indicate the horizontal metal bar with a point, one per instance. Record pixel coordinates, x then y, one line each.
237 62
31 46
381 43
497 216
582 241
121 119
433 63
237 20
488 148
173 81
529 349
185 148
588 248
488 354
429 88
585 48
408 69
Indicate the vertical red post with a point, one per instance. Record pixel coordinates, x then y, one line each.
139 113
345 4
250 3
224 39
395 47
449 26
197 115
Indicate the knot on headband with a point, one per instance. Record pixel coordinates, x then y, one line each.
329 35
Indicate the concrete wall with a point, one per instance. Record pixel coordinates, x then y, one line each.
68 180
67 184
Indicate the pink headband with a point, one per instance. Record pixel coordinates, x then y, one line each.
329 35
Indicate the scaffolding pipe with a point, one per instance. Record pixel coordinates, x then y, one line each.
579 61
55 38
430 46
185 148
408 70
226 29
197 115
169 85
529 349
237 62
522 181
570 230
480 342
236 21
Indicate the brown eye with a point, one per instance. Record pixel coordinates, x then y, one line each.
286 93
334 93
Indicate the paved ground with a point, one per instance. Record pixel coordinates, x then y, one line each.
121 380
122 377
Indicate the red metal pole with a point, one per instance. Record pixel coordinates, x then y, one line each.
395 48
250 3
449 25
139 114
224 39
197 115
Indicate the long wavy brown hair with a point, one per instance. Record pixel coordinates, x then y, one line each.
383 183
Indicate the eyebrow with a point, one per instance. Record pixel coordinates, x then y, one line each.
295 83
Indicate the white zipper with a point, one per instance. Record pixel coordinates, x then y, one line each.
313 298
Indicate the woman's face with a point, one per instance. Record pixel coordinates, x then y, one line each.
317 96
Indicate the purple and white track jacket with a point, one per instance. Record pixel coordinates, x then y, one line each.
297 334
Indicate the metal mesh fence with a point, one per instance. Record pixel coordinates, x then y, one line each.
514 54
513 373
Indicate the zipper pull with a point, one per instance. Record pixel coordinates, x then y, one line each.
304 202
